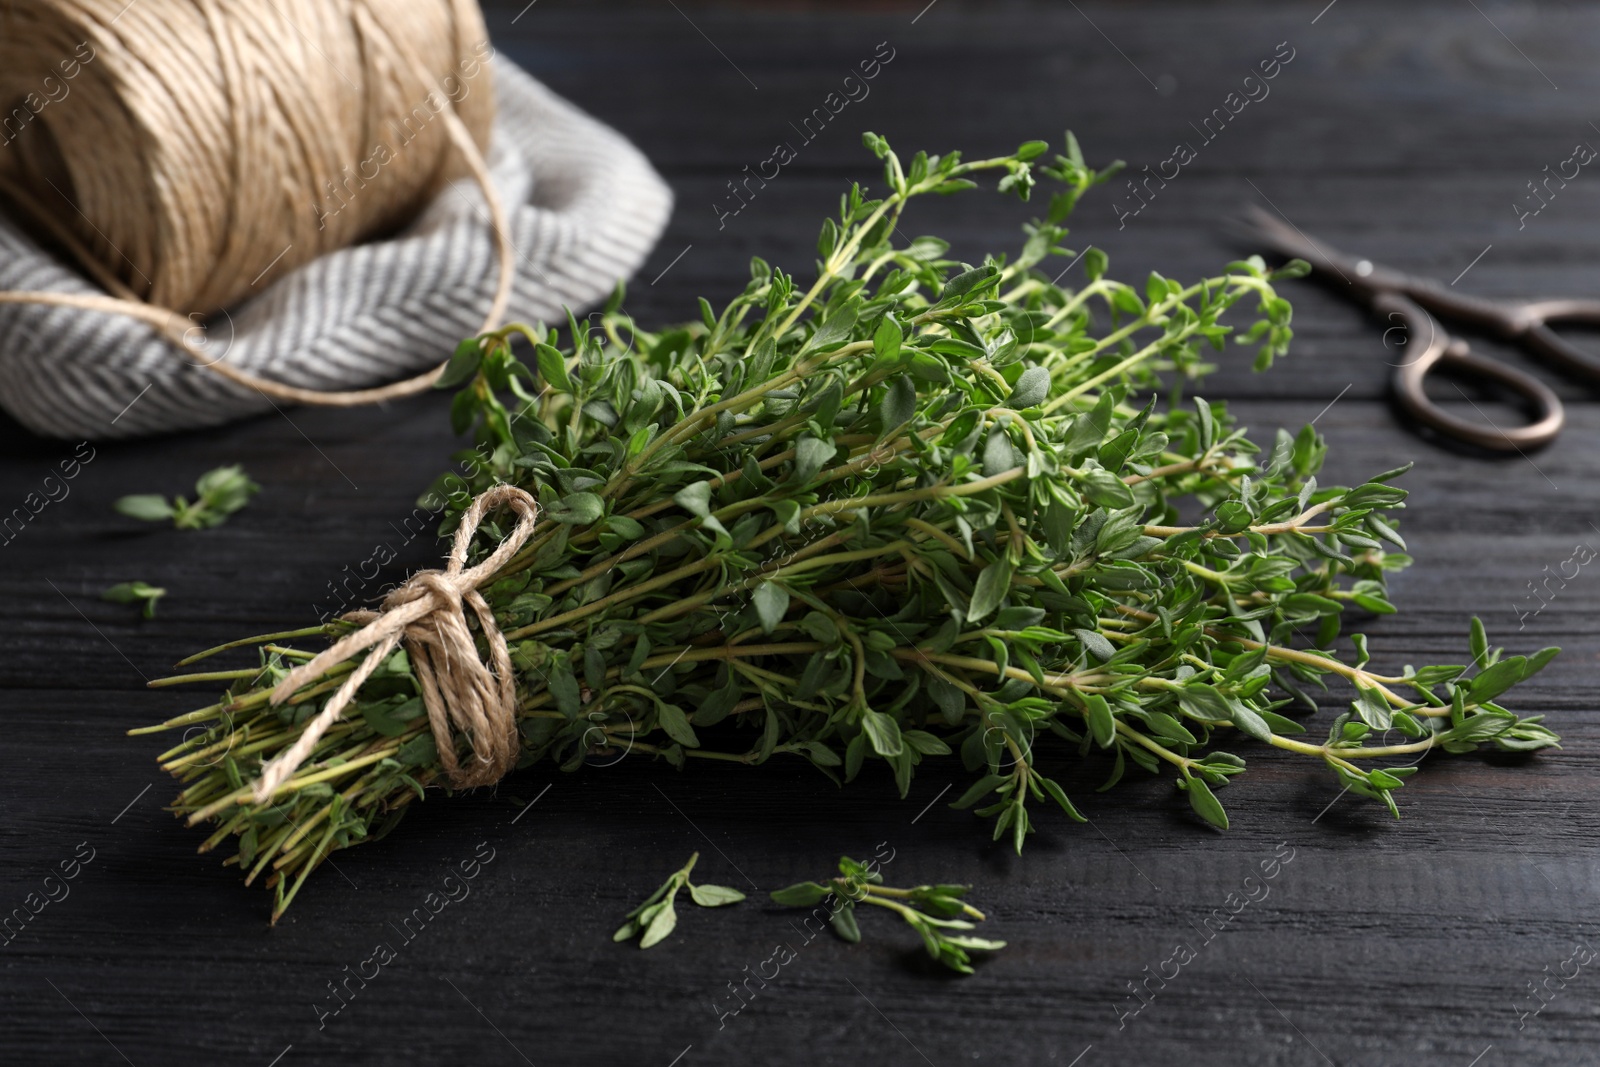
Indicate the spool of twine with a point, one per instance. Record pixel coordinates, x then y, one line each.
186 153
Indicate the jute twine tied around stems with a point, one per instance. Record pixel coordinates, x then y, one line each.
459 690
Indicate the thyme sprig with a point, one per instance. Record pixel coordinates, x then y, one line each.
142 593
219 492
657 917
936 912
918 509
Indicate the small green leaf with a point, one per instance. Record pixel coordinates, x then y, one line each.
887 340
772 603
925 743
577 509
1205 804
1207 423
1495 680
819 754
1031 390
676 725
1059 795
1090 428
380 715
661 924
992 586
1097 644
1249 723
998 454
1539 660
695 498
714 896
553 368
883 733
125 592
981 788
462 366
1479 643
800 895
224 490
147 507
899 404
1101 722
810 453
1095 262
136 593
843 922
1104 489
625 527
966 282
836 327
820 627
716 707
1205 701
420 751
563 685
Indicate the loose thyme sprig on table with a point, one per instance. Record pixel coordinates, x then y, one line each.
218 492
657 917
930 910
142 593
914 510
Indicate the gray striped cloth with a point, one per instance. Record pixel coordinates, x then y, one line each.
585 209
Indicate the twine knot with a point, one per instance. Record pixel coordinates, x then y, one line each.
459 690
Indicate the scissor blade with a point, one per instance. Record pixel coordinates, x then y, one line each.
1260 229
1263 229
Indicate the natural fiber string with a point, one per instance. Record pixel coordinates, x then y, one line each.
210 131
427 613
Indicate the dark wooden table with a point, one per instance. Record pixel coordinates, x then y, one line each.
1402 131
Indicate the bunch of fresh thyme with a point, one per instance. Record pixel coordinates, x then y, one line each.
914 509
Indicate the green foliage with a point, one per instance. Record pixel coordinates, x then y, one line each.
135 593
920 509
937 913
657 917
218 493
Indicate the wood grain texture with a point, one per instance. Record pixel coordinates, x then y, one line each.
1401 132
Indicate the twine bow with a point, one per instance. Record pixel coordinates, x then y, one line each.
458 688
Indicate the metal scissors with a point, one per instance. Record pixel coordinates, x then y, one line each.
1391 295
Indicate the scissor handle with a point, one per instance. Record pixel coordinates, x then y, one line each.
1527 324
1410 383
